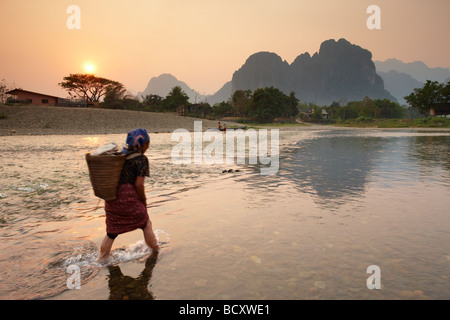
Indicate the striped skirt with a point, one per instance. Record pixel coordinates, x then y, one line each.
127 212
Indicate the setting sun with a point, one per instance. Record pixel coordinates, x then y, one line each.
89 68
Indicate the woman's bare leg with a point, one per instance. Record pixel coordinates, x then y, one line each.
105 248
149 237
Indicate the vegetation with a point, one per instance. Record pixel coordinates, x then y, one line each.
121 99
239 102
363 110
268 105
153 103
3 90
176 97
263 106
432 92
383 113
89 87
429 122
380 108
223 109
118 98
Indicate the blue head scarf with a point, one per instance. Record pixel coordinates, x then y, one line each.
135 139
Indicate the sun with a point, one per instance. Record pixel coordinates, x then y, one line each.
89 68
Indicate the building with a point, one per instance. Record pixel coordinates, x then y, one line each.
40 99
440 109
198 110
34 98
181 110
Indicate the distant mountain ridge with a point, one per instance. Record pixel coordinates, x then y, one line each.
339 71
163 84
401 78
417 69
399 84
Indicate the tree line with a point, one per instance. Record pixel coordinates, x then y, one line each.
364 110
262 105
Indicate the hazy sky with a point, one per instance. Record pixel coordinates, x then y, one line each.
202 42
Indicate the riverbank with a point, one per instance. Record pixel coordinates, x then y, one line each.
430 122
41 120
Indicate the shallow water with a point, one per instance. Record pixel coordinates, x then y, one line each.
342 200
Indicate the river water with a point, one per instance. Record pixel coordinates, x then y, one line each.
343 200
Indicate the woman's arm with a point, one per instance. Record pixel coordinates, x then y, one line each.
140 189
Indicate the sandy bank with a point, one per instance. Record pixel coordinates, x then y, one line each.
39 120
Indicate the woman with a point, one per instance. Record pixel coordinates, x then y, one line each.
129 210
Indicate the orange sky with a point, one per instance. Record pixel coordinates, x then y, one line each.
202 42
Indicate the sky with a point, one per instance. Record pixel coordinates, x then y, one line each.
201 42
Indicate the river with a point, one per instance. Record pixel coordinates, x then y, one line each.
344 201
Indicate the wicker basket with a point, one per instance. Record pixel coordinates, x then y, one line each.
104 172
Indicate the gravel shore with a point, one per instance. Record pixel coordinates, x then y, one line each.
41 120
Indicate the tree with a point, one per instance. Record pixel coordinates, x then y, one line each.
432 92
222 109
270 103
177 97
3 90
90 87
121 99
153 102
292 105
113 98
239 101
388 109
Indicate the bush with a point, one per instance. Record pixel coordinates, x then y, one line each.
364 119
439 122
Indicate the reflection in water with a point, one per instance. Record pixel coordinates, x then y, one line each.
127 288
334 167
432 151
252 236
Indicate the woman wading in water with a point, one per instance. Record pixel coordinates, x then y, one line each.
129 210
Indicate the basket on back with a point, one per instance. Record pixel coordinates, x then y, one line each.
104 172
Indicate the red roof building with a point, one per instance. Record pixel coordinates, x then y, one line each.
34 98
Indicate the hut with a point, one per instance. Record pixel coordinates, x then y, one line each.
41 99
34 98
440 109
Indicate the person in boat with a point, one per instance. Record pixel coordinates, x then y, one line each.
129 210
219 126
